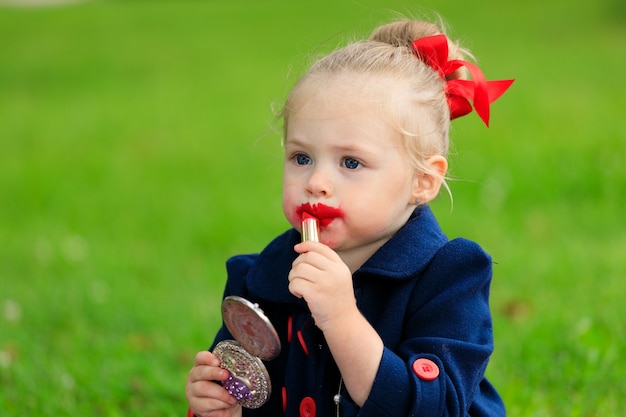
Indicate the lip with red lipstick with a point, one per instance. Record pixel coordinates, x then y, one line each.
325 214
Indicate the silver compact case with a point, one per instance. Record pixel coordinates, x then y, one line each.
256 340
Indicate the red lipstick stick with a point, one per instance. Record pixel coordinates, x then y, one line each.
310 228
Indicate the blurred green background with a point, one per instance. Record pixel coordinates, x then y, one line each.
138 151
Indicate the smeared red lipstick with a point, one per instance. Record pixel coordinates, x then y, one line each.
323 213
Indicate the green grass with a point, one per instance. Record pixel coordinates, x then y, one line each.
138 151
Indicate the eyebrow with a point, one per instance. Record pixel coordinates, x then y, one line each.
291 141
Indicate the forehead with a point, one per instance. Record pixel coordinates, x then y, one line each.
342 119
359 91
355 102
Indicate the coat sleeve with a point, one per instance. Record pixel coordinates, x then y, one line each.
447 324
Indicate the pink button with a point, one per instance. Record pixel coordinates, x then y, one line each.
307 407
425 369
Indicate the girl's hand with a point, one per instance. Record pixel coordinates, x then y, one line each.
207 398
320 277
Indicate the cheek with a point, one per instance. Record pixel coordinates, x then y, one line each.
290 203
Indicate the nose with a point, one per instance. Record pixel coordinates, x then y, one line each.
319 183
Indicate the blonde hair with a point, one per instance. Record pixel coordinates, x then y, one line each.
416 107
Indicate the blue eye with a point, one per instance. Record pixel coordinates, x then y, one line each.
351 163
302 159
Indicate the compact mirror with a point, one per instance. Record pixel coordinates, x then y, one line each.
256 340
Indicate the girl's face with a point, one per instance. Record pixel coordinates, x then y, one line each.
345 165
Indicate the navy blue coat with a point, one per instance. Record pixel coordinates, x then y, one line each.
427 297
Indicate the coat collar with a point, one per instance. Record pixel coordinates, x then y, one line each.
409 250
401 257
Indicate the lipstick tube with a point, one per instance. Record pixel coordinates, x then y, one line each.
310 229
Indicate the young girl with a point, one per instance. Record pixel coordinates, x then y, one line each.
384 316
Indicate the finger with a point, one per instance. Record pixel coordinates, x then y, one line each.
308 246
206 358
317 247
317 262
207 373
305 271
298 287
210 408
209 395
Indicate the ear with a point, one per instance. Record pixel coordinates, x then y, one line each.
426 184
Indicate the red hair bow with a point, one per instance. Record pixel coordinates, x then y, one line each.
433 50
